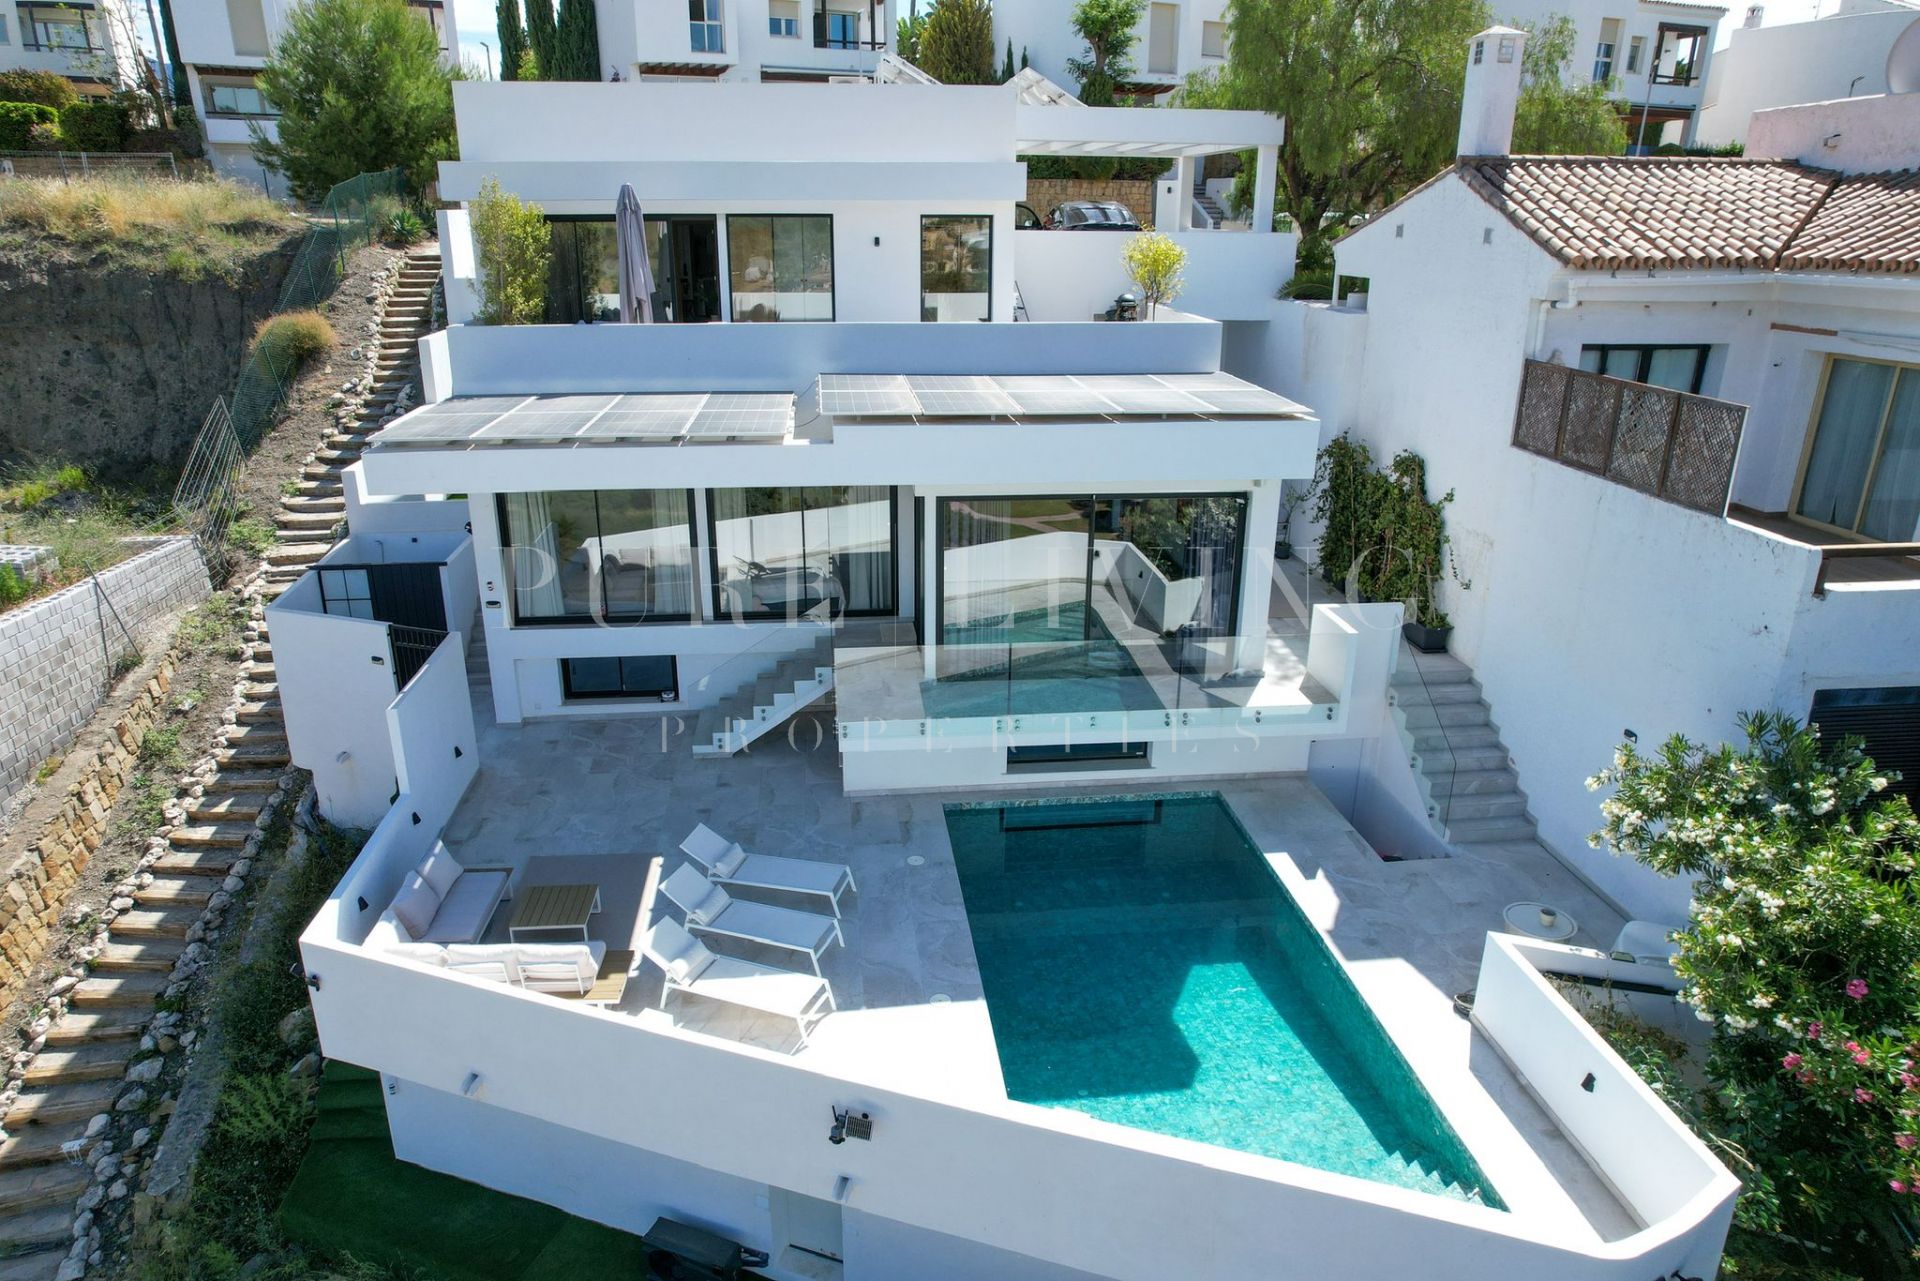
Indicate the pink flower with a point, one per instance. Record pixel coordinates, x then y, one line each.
1861 1057
1791 1062
1908 1081
1813 1030
1862 1096
1853 1047
1906 1142
1856 988
1805 1078
1896 1185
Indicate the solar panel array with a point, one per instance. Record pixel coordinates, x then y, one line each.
1048 396
595 419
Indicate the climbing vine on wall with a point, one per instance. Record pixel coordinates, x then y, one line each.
1380 533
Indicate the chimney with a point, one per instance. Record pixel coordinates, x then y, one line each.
1756 14
1492 92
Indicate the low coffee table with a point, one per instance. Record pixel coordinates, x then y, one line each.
552 909
1525 918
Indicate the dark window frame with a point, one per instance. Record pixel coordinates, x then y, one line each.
1701 36
1702 353
891 610
667 694
514 618
939 629
833 271
955 217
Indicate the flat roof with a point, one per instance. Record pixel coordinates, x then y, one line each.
1078 396
603 418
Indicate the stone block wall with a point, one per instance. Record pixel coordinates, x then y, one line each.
1135 193
55 670
36 886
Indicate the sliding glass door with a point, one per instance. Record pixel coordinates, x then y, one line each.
780 552
1863 467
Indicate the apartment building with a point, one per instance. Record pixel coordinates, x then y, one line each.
752 40
94 45
1844 54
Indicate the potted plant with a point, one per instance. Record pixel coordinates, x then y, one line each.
1415 535
1283 539
1381 533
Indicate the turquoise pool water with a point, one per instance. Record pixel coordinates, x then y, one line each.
1143 965
1068 668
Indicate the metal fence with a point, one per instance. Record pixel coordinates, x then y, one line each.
1668 444
349 216
87 164
412 647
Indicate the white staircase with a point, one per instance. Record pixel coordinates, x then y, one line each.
1462 768
1206 203
751 712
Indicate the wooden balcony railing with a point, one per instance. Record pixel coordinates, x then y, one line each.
1664 443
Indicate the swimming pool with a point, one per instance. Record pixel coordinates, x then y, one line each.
1142 964
1060 665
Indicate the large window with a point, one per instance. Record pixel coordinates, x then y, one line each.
956 267
583 279
1675 368
1863 468
1678 54
236 98
780 552
577 556
1213 40
783 18
704 28
52 26
781 266
842 30
650 676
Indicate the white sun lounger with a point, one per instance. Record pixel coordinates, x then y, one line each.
727 864
711 910
691 968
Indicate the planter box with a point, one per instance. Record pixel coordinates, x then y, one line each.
1428 640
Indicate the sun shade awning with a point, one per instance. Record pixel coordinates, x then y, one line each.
1214 395
659 419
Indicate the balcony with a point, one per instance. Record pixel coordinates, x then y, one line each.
1666 444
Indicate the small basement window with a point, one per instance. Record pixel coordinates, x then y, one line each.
1058 756
644 676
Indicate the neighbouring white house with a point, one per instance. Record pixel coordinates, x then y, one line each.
868 684
223 44
1677 401
1171 41
94 45
730 40
1842 54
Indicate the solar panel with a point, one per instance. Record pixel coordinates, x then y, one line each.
960 396
655 417
447 421
1143 394
732 416
546 418
1224 393
605 417
866 396
1051 396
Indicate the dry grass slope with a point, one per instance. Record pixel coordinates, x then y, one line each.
187 229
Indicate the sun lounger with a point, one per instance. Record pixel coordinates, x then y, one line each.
711 910
727 864
691 968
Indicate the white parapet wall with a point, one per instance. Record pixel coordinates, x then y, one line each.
1229 275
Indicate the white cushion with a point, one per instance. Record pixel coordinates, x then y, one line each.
730 862
558 967
386 937
680 954
468 907
481 962
440 870
415 907
711 904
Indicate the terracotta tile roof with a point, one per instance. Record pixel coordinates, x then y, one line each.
1871 222
1672 212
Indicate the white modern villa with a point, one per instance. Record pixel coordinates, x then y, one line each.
224 44
751 40
850 781
95 46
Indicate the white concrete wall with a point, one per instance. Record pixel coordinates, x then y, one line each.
1854 135
1076 275
399 514
1838 56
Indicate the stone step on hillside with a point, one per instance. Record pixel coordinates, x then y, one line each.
302 553
224 835
56 1104
250 757
24 1237
175 891
118 991
227 807
36 1187
258 712
138 956
321 521
212 863
97 1027
335 506
44 1144
104 1061
159 922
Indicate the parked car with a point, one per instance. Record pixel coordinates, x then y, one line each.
1024 217
1092 215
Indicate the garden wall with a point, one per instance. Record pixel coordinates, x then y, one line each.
1135 193
58 655
38 881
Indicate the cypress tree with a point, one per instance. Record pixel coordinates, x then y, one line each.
578 42
513 38
543 39
1006 68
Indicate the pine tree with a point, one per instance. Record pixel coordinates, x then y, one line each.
513 38
1006 68
543 39
577 42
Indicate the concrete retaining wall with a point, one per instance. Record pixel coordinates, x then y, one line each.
55 670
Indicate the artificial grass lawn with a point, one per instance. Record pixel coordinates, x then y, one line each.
352 1197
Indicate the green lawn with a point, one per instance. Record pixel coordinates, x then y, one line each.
352 1197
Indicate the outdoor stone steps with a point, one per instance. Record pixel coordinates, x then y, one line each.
97 1026
322 473
175 891
298 553
1470 807
226 807
97 1062
246 757
41 1144
229 835
1466 782
261 673
302 505
121 990
23 1236
145 956
51 1105
208 862
160 922
34 1187
1491 830
332 455
1488 756
42 1266
258 713
1447 715
258 692
1455 737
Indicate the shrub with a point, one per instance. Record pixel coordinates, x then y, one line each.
17 120
1379 530
403 227
27 489
514 249
94 126
47 88
1154 263
956 43
1803 951
1309 285
13 586
292 338
45 138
